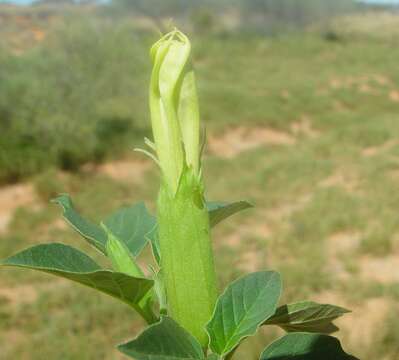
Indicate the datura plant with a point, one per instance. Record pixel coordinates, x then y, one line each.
178 294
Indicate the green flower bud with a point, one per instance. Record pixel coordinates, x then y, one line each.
174 107
187 263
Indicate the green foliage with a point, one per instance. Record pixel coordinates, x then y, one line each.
64 102
94 234
67 262
219 211
131 225
242 308
303 346
307 316
185 284
165 340
264 15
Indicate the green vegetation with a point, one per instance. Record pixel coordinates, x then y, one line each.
323 178
179 300
65 102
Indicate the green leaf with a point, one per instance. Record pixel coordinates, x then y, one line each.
131 225
91 232
218 211
242 308
70 263
165 340
307 316
304 346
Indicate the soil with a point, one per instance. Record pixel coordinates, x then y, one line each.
240 139
11 198
123 170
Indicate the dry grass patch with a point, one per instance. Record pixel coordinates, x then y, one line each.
13 197
240 139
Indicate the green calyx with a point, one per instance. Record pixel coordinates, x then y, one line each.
174 107
187 259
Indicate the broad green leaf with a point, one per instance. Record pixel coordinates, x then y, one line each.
307 316
91 232
213 357
165 340
131 225
70 263
305 346
242 308
218 211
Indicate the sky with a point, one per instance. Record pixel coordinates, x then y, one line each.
23 2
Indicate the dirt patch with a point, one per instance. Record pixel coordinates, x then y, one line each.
329 297
360 328
394 95
38 34
240 139
23 294
11 198
249 261
394 174
362 83
382 80
28 294
123 170
259 229
58 224
338 244
304 127
384 270
285 94
343 179
343 242
284 211
375 150
11 339
365 89
242 241
233 240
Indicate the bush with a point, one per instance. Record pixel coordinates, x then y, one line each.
64 102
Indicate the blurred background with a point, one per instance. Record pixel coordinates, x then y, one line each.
301 102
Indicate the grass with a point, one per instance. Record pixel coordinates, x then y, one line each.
324 204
